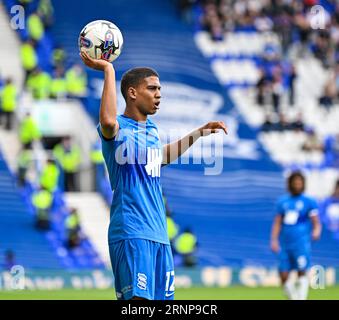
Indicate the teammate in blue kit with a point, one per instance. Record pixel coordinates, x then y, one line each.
294 226
139 247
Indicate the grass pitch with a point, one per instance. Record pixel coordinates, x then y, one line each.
195 293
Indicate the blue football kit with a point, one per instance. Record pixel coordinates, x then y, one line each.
295 235
139 247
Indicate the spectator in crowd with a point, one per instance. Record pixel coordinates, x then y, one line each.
50 176
262 22
277 91
185 9
76 81
72 225
98 165
211 21
312 143
58 84
29 131
35 26
39 83
268 125
298 124
186 245
291 77
172 227
172 230
331 148
24 161
329 210
25 3
42 201
321 48
9 98
58 57
29 58
46 12
68 156
261 88
330 92
282 124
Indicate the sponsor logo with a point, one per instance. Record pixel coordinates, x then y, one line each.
126 289
299 205
169 294
138 130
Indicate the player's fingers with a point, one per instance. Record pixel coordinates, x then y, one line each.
82 57
223 127
85 55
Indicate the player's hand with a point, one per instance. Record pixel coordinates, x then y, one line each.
212 127
97 64
275 246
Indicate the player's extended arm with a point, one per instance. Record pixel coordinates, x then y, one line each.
174 150
316 227
276 227
108 106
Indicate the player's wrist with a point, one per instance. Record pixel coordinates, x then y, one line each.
108 67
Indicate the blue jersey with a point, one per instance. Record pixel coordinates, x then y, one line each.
133 158
296 212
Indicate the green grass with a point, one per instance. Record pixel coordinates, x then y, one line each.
196 293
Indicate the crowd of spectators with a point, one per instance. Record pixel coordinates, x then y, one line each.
305 28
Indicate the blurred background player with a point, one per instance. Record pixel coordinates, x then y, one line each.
291 235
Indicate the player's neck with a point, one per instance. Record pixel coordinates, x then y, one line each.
135 115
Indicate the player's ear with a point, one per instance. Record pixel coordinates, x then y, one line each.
132 93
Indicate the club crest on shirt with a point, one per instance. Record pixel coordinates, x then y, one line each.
142 281
299 205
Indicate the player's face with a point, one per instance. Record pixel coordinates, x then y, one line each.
297 186
148 95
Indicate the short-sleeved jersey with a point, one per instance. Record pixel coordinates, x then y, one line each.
133 159
296 212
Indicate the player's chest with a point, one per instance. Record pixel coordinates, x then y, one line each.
294 211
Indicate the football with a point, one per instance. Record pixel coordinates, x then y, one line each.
101 39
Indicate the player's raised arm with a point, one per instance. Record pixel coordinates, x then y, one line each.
174 150
108 106
276 227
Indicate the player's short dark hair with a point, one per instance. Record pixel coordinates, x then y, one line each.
133 77
294 175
